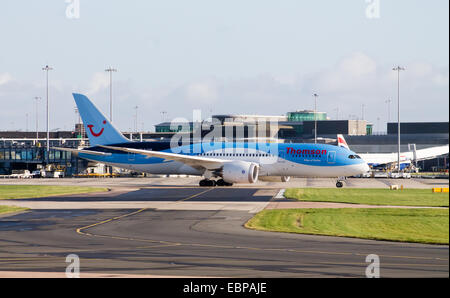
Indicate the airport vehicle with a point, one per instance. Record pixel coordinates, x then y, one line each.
21 174
52 174
377 159
36 174
228 162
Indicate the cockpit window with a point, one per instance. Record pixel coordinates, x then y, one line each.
354 157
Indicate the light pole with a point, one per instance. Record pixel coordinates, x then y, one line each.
37 98
388 102
110 70
136 119
163 114
315 117
47 68
398 69
337 113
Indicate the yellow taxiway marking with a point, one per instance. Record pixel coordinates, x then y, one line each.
384 264
108 220
158 246
170 243
79 230
213 187
196 195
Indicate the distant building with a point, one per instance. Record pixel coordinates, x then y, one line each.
80 131
333 127
174 127
298 124
305 115
418 128
21 150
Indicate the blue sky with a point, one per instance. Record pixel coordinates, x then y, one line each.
253 56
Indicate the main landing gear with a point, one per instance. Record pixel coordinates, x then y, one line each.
212 183
207 182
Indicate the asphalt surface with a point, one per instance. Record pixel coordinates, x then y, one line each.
193 243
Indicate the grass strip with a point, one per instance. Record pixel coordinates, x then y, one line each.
9 209
35 191
429 226
371 196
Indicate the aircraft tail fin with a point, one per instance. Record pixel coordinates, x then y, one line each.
341 141
98 129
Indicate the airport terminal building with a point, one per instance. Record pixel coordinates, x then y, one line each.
27 150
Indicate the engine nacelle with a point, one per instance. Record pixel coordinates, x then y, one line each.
240 172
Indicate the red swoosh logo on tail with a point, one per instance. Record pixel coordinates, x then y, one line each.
99 133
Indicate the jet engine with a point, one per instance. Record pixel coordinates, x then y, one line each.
240 172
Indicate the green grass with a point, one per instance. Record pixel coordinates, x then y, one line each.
393 224
36 191
370 196
8 209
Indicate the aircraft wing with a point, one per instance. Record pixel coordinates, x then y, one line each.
76 151
421 154
383 158
194 161
432 152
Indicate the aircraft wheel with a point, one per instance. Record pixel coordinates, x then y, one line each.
206 182
222 182
339 184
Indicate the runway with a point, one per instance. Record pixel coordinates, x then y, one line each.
188 241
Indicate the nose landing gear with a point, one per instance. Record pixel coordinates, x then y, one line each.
339 183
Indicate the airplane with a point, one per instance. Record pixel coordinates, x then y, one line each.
228 162
377 159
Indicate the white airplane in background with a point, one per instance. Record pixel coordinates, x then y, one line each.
375 159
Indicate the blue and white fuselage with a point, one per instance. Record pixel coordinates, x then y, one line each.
230 162
299 160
